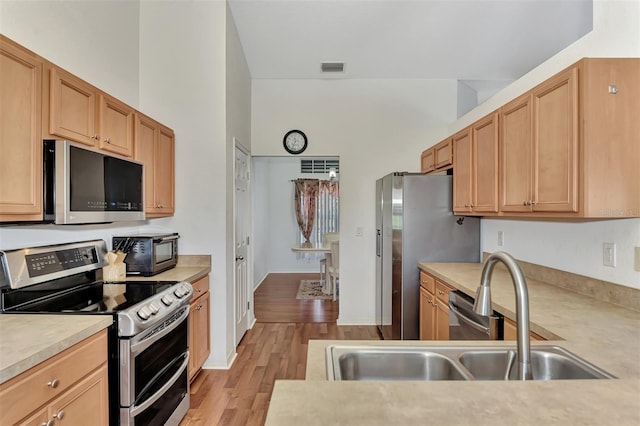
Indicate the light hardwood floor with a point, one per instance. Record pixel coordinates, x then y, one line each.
275 348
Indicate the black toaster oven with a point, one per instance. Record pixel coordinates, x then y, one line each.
148 254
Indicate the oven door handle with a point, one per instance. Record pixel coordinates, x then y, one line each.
137 409
149 340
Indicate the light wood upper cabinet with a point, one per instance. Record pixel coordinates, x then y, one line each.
569 147
484 139
20 133
427 161
155 148
443 153
116 126
462 171
475 168
516 154
555 144
437 158
72 108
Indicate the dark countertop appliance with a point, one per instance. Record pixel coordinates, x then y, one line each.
148 254
148 340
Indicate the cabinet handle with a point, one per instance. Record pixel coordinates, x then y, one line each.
533 202
59 415
107 140
95 136
53 383
48 423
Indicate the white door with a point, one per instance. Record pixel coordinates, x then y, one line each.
242 215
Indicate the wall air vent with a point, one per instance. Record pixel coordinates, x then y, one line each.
332 66
319 166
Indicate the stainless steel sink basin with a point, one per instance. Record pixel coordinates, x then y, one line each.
397 365
453 363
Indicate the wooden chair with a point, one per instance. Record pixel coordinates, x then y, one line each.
326 241
334 268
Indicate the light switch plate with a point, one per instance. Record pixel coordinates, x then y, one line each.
500 238
636 261
609 254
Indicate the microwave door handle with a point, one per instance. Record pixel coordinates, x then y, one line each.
169 238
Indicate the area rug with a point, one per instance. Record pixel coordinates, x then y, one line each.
312 289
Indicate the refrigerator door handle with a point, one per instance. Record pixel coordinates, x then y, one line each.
378 238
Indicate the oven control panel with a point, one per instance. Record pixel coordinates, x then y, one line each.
55 261
154 310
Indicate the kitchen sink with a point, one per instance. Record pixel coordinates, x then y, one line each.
420 363
398 365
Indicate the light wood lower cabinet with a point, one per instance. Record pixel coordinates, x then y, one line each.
155 148
511 331
199 343
20 133
70 388
434 308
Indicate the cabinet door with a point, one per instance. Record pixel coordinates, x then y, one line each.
164 172
427 315
485 164
444 154
20 133
72 108
199 347
442 321
516 146
202 313
462 168
116 126
427 161
555 136
84 404
146 135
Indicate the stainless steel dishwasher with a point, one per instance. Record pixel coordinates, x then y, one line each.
464 324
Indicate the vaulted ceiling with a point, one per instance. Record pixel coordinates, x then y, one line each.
482 42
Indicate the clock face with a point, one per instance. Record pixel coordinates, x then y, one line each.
295 142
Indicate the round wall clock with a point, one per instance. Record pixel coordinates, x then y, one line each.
295 142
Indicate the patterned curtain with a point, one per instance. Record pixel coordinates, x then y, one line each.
306 191
332 187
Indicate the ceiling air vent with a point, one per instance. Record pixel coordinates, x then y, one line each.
332 66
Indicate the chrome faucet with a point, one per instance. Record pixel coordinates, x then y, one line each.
482 306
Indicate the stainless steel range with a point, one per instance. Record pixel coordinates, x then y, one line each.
148 340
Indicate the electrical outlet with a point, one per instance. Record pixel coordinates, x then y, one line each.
609 254
359 231
500 238
636 261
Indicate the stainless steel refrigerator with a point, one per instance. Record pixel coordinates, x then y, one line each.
415 223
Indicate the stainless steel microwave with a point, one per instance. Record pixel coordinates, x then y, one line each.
148 254
83 185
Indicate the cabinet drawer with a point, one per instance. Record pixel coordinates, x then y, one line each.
442 292
200 287
428 282
35 387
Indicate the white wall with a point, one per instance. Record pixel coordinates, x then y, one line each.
169 60
183 82
375 127
97 40
275 227
573 247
